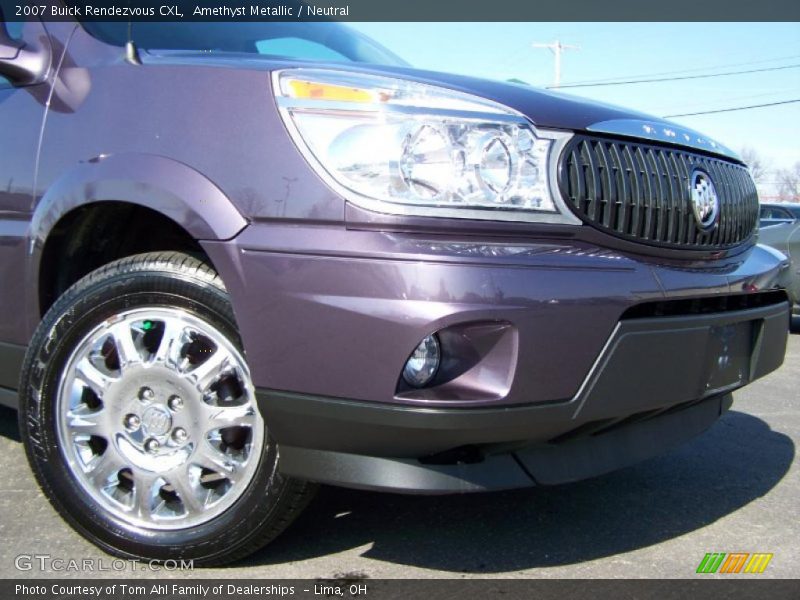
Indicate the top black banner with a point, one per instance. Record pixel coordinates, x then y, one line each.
400 10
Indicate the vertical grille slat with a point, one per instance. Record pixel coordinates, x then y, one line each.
741 200
748 187
673 193
594 189
576 179
728 198
624 189
609 186
636 192
685 225
653 197
723 191
720 186
645 218
640 192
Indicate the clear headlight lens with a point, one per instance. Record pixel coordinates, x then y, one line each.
403 147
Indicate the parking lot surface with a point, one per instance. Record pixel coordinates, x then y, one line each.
734 489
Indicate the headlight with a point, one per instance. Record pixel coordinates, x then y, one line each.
402 147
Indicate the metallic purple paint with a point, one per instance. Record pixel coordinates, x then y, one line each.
367 298
332 299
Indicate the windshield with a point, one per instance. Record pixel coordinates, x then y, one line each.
326 41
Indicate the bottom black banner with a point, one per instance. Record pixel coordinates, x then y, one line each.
377 589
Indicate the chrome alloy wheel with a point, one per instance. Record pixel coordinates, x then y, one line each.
157 418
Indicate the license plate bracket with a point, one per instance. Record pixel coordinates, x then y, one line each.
729 354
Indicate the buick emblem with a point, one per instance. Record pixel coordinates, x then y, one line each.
156 421
704 199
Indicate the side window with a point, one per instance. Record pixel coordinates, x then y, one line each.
292 47
779 213
14 29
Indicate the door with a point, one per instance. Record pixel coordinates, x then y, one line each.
22 112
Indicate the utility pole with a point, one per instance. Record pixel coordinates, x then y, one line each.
557 48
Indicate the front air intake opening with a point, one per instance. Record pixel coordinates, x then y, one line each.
704 305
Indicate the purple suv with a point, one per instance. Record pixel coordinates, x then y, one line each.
239 260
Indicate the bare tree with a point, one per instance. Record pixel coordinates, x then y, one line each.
789 183
753 160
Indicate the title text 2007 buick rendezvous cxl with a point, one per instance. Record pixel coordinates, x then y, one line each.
238 260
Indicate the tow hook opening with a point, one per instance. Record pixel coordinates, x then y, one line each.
463 455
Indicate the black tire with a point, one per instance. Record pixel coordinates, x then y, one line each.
270 502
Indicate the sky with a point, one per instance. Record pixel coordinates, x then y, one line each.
636 50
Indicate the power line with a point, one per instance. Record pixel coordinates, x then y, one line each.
726 66
672 106
722 110
629 82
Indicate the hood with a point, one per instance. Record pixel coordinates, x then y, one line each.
545 108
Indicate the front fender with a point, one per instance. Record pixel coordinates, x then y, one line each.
169 187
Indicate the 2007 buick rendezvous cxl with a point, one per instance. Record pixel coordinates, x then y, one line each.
241 259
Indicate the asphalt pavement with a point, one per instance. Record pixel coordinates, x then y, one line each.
734 489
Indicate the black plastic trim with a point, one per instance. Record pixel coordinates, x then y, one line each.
704 305
11 357
9 398
542 464
499 472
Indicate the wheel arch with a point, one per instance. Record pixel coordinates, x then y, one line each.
131 203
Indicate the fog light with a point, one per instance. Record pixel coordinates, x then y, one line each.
424 362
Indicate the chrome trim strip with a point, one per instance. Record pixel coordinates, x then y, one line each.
378 109
581 396
662 132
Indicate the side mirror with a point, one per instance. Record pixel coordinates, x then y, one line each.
22 62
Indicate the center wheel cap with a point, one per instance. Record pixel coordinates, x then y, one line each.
156 421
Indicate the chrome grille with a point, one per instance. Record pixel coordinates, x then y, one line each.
640 192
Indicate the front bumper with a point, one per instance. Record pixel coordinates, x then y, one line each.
647 366
658 382
562 356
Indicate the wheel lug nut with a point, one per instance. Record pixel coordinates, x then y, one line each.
179 435
175 403
146 394
132 422
152 445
